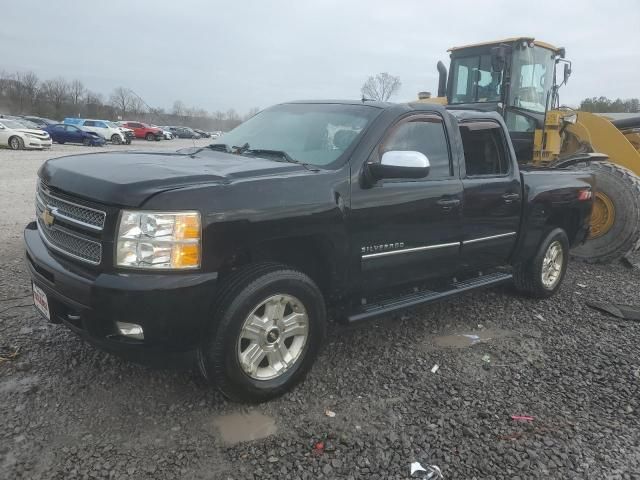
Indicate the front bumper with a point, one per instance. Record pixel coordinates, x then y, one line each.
37 143
171 308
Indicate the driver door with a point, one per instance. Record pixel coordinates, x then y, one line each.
408 229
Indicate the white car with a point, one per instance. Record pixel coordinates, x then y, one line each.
165 133
16 136
108 130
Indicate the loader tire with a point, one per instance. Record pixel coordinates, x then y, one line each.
615 223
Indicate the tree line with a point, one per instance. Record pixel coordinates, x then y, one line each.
23 93
605 105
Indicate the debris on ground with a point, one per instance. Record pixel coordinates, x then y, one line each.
627 312
435 368
539 317
8 353
627 262
432 472
581 285
522 418
329 413
318 448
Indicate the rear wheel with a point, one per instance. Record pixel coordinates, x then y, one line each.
265 333
542 275
615 220
116 139
16 143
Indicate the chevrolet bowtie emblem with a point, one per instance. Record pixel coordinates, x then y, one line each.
47 217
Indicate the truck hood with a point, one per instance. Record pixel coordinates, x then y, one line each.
127 179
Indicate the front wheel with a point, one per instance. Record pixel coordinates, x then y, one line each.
542 275
16 143
149 137
116 139
265 333
86 142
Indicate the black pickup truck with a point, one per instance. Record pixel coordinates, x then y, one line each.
231 255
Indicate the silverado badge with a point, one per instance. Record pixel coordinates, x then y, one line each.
47 217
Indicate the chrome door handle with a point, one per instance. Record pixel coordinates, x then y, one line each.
448 203
510 197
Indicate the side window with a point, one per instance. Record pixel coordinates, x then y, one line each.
484 149
101 125
516 122
425 135
89 123
59 128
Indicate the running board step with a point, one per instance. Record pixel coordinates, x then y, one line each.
377 309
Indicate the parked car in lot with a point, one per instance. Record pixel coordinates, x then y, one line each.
183 132
202 133
61 133
167 135
142 130
41 122
230 255
17 136
106 129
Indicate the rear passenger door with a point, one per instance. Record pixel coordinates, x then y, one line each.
403 230
492 195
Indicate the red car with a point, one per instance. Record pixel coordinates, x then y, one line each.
142 130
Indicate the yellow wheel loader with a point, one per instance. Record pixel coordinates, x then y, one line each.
516 77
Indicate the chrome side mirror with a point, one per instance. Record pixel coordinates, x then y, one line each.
401 164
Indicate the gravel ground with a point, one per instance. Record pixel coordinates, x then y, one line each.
69 411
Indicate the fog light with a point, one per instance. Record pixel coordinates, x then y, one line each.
130 330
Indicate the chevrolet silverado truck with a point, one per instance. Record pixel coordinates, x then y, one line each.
230 256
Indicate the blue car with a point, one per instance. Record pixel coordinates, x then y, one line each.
62 133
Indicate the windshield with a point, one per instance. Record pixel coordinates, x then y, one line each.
13 124
310 133
473 81
531 78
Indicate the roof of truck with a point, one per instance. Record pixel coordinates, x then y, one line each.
508 40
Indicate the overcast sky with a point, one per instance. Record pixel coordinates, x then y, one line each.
241 54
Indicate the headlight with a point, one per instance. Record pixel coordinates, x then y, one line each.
164 240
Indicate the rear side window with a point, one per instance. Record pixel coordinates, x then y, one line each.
89 123
425 135
484 149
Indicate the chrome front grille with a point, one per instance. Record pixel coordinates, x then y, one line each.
67 238
72 212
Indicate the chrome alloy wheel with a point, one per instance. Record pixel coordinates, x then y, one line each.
552 265
273 337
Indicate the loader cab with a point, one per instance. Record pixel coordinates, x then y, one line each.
514 77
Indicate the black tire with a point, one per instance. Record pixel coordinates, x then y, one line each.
86 142
150 137
116 139
242 292
61 142
528 277
622 187
16 143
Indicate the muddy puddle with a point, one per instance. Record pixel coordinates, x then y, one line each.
464 340
244 427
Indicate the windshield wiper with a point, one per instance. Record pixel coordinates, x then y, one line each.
219 146
274 153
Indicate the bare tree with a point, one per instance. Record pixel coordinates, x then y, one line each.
122 100
178 108
380 87
56 92
137 106
77 91
251 113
